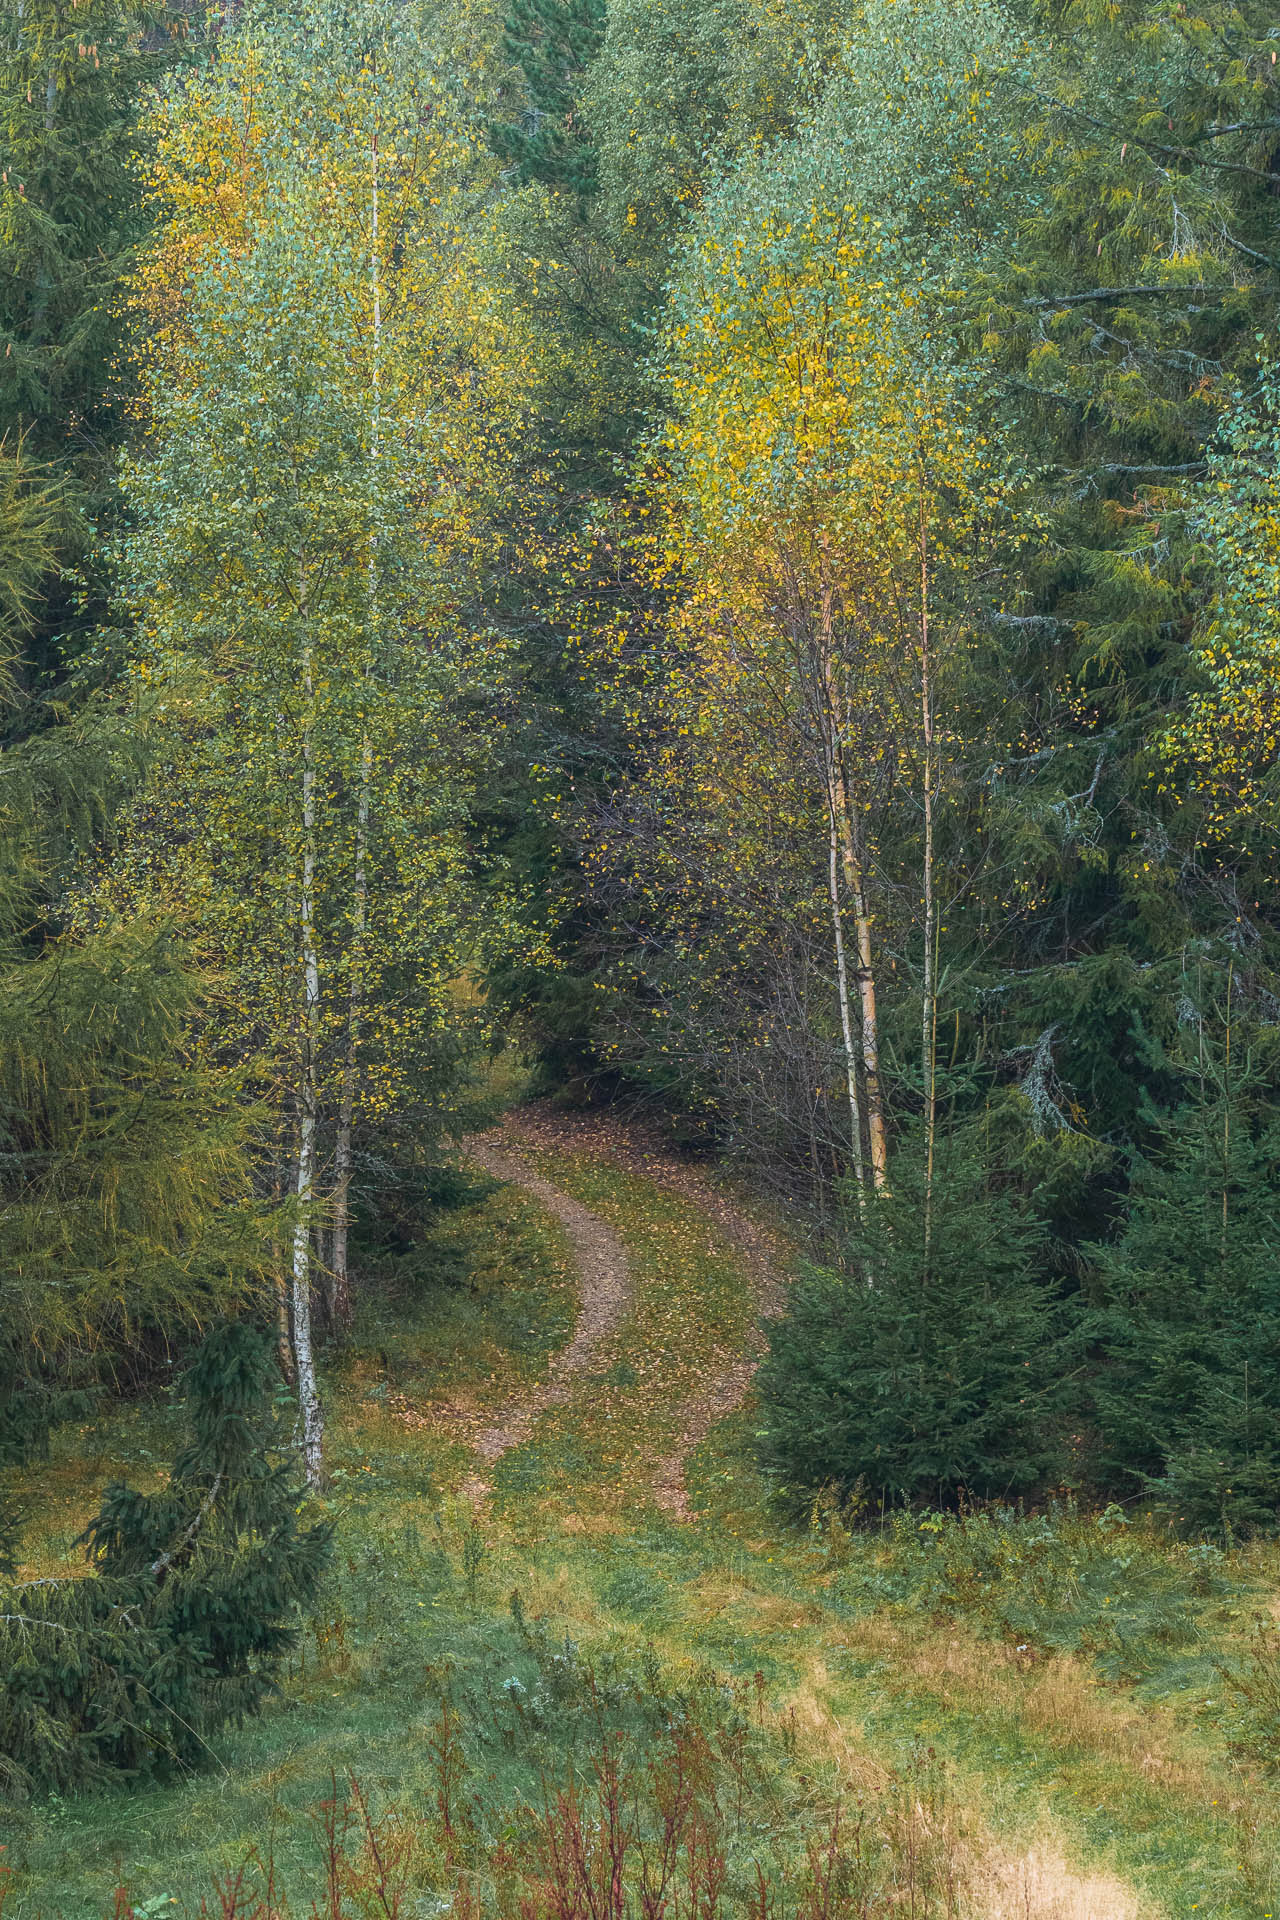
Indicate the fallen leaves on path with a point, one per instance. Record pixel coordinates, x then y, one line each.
606 1293
638 1150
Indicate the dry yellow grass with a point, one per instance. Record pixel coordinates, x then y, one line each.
1039 1884
997 1881
715 1593
836 1738
1059 1699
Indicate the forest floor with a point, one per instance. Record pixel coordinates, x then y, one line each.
552 1532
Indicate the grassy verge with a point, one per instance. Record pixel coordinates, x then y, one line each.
1012 1714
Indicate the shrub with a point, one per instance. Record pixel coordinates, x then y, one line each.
932 1361
188 1613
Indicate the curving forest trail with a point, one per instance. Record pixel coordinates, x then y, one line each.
1029 1737
553 1457
604 1278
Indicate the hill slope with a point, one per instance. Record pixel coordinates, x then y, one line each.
557 1562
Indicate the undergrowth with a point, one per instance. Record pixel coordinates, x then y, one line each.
1059 1580
706 1816
485 1283
557 1785
1252 1684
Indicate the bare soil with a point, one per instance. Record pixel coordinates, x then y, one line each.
606 1288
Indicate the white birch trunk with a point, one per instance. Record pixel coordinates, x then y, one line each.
846 1015
855 880
310 1411
340 1284
844 829
844 823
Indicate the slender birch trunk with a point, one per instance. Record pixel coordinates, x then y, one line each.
846 1016
312 1416
844 828
828 723
855 882
340 1285
929 997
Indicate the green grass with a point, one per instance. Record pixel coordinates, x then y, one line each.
1056 1670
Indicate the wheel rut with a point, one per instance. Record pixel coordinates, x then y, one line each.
605 1274
606 1289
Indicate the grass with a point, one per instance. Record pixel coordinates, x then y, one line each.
1020 1715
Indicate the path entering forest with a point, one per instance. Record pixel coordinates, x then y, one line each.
605 1280
605 1291
1014 1869
623 1530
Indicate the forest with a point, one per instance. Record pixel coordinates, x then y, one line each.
639 959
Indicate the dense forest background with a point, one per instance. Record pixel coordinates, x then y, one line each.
731 545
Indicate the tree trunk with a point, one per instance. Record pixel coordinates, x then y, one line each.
846 1017
929 997
855 881
844 827
312 1416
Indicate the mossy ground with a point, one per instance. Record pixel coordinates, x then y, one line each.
872 1658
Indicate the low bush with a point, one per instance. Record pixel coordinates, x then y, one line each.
1059 1580
933 1362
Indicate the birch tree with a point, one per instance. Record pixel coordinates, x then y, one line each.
307 517
826 477
828 462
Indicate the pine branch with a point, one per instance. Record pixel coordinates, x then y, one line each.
1126 293
167 1558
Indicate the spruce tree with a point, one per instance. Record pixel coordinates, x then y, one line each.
190 1608
934 1361
552 43
1188 1387
71 80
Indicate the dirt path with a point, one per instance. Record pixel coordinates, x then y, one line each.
1031 1877
602 1262
606 1291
